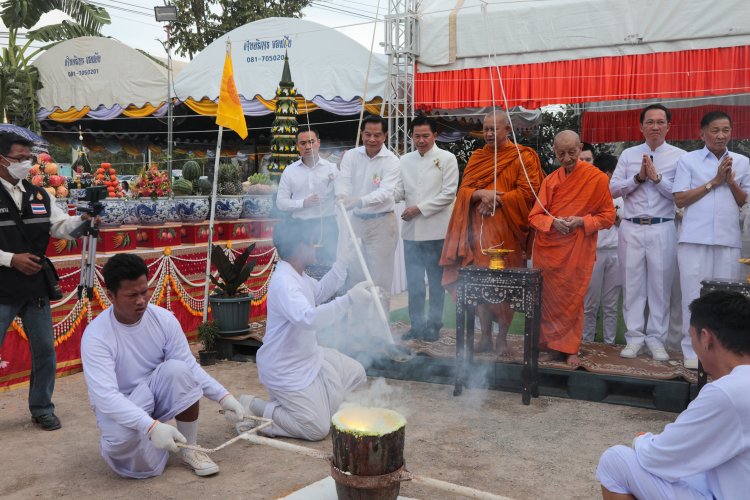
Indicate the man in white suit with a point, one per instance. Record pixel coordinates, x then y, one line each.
428 183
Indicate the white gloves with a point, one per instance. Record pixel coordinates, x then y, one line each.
163 436
361 293
233 410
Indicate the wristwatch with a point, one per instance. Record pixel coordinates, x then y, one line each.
709 186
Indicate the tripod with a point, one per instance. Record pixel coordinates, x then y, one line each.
88 259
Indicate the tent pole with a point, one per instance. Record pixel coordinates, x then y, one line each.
211 224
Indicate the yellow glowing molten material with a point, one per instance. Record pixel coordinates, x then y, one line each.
367 421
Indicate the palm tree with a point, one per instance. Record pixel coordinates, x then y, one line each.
19 79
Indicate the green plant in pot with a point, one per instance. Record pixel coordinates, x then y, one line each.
208 333
230 300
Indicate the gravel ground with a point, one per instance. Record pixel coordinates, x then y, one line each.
483 439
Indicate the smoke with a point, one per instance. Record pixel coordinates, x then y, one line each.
380 395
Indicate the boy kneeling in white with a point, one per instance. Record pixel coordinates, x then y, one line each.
306 382
140 374
705 453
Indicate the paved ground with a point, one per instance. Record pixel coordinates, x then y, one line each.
483 439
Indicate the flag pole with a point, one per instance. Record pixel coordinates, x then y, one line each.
211 224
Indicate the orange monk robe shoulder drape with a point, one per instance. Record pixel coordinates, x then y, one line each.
567 260
509 225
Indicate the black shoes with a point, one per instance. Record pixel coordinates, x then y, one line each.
48 422
413 334
431 334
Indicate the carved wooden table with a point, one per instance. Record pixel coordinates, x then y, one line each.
522 289
712 286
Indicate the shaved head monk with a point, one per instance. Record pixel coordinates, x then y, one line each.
577 197
491 210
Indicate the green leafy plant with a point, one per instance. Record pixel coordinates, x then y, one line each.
208 333
232 275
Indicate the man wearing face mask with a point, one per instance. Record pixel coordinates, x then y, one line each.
21 253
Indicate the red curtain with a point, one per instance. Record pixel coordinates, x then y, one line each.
614 126
690 73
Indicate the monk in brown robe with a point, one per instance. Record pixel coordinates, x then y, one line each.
577 196
491 210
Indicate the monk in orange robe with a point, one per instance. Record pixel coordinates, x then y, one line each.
492 214
577 196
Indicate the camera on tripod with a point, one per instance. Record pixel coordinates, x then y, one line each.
92 205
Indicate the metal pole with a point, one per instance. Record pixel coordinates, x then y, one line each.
211 225
170 104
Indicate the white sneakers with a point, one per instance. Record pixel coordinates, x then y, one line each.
201 464
690 364
658 353
631 351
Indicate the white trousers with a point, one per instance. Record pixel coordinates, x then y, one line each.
604 290
647 259
620 472
170 390
306 414
699 263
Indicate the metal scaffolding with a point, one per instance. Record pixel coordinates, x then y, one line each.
401 47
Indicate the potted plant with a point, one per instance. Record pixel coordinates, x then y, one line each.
207 333
229 192
151 191
191 193
258 200
230 300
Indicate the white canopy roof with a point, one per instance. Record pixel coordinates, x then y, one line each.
323 62
94 71
457 34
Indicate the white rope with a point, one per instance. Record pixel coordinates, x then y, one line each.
492 57
367 77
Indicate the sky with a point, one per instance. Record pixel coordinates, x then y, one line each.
133 21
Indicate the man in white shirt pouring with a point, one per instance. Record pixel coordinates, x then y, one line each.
306 383
141 374
366 185
711 184
306 192
428 183
705 453
647 246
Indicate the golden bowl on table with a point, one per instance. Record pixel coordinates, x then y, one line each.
497 257
747 263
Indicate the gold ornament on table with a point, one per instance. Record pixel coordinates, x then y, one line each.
497 256
747 263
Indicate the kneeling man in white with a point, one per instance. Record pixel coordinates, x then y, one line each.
141 374
705 453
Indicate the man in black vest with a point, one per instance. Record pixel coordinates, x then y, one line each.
23 288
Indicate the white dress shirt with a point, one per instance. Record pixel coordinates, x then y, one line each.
607 238
646 199
290 357
711 437
373 180
61 223
298 181
428 182
715 218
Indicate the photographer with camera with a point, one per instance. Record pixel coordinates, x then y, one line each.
27 219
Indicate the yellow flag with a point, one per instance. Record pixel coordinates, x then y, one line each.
229 113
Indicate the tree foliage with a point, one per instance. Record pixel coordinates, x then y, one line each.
200 22
19 80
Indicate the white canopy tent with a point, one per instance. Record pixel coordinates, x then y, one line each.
328 68
98 74
458 34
